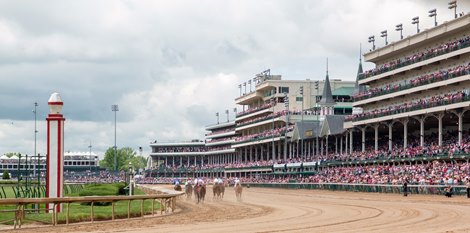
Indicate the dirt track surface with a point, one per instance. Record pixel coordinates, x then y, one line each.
278 210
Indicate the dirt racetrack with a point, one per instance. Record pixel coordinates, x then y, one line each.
279 210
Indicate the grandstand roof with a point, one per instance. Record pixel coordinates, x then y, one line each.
306 129
332 125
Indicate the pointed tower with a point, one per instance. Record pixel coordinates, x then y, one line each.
358 88
327 102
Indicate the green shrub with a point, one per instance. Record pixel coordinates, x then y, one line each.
102 190
6 175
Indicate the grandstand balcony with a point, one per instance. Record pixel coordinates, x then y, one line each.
221 135
410 89
256 141
260 111
447 40
222 125
249 98
261 122
221 142
418 65
221 151
440 106
173 144
189 153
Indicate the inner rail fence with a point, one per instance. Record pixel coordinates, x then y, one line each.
371 188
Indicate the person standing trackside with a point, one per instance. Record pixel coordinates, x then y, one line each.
468 187
405 188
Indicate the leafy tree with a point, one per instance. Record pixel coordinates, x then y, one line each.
6 175
124 156
9 154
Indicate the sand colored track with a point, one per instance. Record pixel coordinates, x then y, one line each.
279 210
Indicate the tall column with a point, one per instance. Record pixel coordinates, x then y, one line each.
439 118
347 143
326 148
321 147
55 150
341 144
317 147
363 130
390 126
351 148
460 115
251 153
336 144
376 139
405 133
421 131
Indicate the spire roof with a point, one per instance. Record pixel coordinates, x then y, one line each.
327 97
357 87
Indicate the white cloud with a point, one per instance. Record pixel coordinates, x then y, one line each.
171 65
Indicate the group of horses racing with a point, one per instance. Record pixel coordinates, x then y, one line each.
199 191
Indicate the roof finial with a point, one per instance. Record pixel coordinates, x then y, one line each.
327 66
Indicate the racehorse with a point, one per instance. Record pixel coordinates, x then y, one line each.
238 191
178 187
188 189
218 191
200 192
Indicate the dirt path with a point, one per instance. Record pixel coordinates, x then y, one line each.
277 210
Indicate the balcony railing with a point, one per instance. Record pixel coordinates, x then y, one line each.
413 106
420 81
430 53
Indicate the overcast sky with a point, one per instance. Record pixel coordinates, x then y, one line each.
170 65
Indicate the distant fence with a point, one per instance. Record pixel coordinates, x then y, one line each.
372 188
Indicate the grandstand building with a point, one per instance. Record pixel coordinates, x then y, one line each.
417 93
28 166
278 120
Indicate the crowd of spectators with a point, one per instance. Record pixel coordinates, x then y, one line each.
180 149
254 109
417 57
265 134
418 81
434 101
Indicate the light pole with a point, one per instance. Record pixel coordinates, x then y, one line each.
89 147
226 112
217 115
415 20
372 40
273 155
115 109
433 13
302 122
453 5
35 130
286 103
131 179
399 27
384 34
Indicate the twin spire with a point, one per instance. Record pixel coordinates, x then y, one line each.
327 97
357 87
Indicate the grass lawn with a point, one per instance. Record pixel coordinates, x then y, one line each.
80 212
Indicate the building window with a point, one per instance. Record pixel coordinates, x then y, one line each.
283 90
298 98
